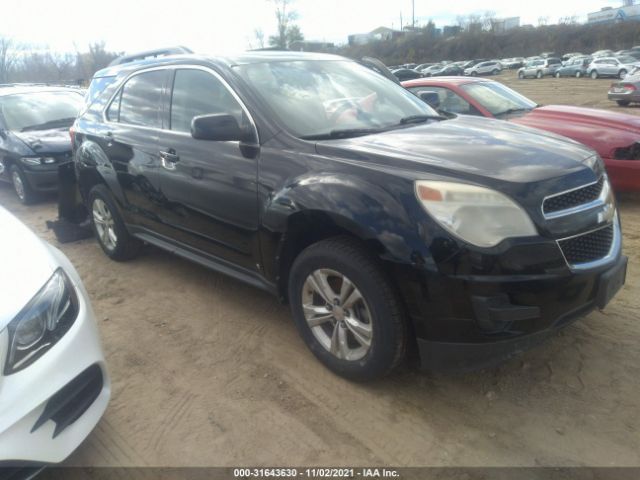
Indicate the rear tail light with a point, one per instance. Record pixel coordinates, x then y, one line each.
629 87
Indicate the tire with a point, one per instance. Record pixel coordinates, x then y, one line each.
623 103
521 75
594 74
495 72
379 310
558 75
622 74
21 186
578 74
474 74
539 74
110 230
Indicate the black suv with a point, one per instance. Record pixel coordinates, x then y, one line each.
387 228
34 136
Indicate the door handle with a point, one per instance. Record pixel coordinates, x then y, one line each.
170 156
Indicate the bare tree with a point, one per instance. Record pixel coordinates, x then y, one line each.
259 35
542 21
287 32
9 51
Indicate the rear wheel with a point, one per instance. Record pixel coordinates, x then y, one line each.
520 75
623 103
594 74
539 74
578 74
474 73
622 74
21 186
558 75
495 72
346 309
109 227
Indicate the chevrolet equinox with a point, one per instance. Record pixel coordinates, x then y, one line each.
387 228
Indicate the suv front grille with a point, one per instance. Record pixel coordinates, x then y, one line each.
589 247
574 198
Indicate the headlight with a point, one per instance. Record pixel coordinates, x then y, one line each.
478 215
45 319
38 160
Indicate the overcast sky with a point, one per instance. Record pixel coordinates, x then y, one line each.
215 26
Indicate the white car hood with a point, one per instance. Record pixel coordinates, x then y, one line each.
25 266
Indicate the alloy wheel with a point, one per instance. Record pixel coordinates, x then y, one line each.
18 186
337 314
105 225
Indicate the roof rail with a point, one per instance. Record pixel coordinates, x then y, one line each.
160 52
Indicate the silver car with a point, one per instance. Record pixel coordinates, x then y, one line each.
542 67
612 67
626 91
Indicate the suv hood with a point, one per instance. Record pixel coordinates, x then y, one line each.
26 263
475 147
600 129
46 141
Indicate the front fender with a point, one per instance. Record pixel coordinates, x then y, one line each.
94 167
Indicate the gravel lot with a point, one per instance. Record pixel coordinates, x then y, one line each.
209 372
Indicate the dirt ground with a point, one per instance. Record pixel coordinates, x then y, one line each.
207 371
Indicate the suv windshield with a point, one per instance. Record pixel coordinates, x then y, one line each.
318 98
40 110
497 98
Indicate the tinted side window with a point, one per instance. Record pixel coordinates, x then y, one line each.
196 92
141 98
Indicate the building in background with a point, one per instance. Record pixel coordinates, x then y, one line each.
628 12
502 25
380 33
311 46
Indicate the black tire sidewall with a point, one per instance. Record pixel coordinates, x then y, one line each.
382 352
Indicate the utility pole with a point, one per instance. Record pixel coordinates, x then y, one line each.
401 20
413 13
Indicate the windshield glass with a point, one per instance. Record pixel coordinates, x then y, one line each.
627 60
497 98
314 98
40 110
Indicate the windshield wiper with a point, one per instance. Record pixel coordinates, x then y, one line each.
343 133
513 110
60 122
420 118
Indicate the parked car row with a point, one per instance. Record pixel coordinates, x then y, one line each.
389 227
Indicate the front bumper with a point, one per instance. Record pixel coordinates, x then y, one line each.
624 175
42 179
474 322
50 407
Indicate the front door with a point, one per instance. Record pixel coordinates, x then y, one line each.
209 186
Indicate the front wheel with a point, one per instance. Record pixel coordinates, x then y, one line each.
474 74
109 227
558 75
346 309
539 74
521 75
622 74
578 74
21 186
623 103
495 72
594 75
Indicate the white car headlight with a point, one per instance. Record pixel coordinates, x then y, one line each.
477 215
42 322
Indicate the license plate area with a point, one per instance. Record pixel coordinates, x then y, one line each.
611 282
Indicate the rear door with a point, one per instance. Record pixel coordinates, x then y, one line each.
210 186
130 140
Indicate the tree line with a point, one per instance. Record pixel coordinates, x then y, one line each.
426 45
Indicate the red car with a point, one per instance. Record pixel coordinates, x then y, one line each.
615 136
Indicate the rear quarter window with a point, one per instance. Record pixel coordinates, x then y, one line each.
97 86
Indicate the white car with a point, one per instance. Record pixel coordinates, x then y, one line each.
53 382
492 67
617 67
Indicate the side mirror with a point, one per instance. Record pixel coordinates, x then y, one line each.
430 98
220 127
